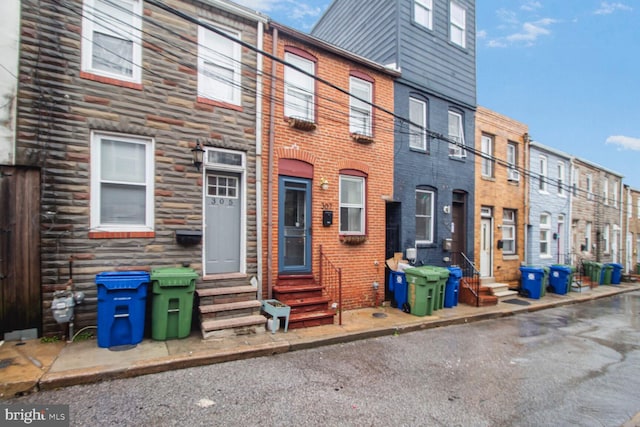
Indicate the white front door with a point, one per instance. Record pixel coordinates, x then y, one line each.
486 247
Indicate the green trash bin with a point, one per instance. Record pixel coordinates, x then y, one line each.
596 273
605 276
586 265
443 276
172 305
422 285
638 268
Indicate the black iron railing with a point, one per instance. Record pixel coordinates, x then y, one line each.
331 281
470 274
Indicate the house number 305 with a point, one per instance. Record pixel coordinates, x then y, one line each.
227 202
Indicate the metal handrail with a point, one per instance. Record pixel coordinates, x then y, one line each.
330 278
470 274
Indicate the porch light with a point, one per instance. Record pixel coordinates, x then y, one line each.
198 154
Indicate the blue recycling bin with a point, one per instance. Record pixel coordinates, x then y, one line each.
452 287
559 279
398 284
531 282
122 300
616 273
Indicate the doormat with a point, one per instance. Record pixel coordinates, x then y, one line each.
517 302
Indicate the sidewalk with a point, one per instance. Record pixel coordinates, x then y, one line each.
32 365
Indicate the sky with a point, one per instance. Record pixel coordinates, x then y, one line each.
568 69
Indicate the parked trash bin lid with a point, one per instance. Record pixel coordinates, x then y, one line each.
174 276
122 279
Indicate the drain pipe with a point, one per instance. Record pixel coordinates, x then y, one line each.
259 92
272 108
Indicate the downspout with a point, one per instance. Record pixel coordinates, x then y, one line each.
569 232
525 138
272 108
260 61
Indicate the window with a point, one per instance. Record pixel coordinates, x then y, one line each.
605 239
512 155
111 39
560 178
587 237
423 13
424 216
509 231
219 66
589 182
545 235
542 185
121 183
458 27
629 205
456 133
299 88
576 181
352 193
638 208
487 156
605 191
615 193
360 112
417 128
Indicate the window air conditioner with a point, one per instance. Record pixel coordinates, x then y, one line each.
513 175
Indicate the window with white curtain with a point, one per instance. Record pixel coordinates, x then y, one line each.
360 116
299 88
111 39
121 183
417 129
219 61
352 205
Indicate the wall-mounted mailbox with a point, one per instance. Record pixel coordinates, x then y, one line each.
188 237
446 245
327 218
500 244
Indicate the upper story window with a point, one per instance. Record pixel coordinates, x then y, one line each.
111 39
638 208
560 178
219 66
352 205
605 191
423 13
418 126
512 162
509 231
576 181
589 182
545 235
424 216
458 24
121 183
542 185
615 193
456 133
486 148
629 206
361 114
299 88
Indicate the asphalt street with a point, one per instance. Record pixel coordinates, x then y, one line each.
572 365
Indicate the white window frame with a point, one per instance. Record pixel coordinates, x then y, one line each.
509 224
360 112
561 171
361 205
615 194
92 23
589 185
417 131
576 181
587 236
456 133
606 239
457 24
224 64
423 13
629 205
605 191
638 207
96 221
430 217
486 148
543 174
298 85
545 235
512 155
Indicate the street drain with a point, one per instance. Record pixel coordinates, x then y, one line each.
379 315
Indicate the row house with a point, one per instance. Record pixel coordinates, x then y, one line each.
327 176
502 146
596 213
433 43
631 224
113 101
550 196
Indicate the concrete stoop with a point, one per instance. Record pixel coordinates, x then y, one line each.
500 290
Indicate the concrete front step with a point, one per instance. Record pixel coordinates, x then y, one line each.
247 325
308 319
231 309
505 294
227 294
496 287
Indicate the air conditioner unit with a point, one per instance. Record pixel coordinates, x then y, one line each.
513 175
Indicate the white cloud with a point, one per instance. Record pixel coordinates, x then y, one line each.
607 8
482 34
530 6
625 142
527 35
259 5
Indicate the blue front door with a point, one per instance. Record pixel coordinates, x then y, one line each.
294 225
